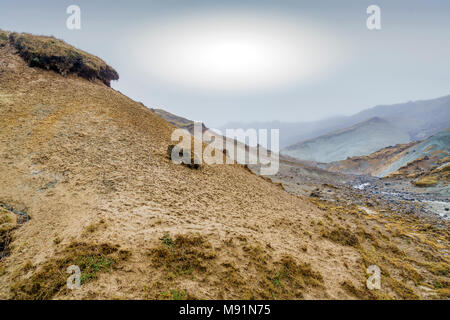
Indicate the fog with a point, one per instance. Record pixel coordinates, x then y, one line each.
247 61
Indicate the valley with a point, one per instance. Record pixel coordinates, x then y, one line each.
86 180
400 196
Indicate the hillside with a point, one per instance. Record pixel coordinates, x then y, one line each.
429 153
361 139
85 180
371 164
420 119
89 166
408 160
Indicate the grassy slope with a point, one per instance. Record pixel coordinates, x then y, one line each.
90 166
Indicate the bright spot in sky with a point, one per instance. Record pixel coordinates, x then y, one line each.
230 51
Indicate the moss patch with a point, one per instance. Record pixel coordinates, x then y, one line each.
52 54
3 38
50 278
183 255
192 258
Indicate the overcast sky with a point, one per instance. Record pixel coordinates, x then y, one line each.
221 61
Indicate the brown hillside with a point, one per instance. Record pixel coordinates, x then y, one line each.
89 167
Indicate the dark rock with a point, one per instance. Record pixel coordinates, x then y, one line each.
315 194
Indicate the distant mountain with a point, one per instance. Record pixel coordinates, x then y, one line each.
419 119
363 138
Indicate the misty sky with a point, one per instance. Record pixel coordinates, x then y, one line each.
221 61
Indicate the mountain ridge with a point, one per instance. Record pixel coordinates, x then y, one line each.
360 139
420 119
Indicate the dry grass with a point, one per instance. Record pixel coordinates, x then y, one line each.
184 255
440 269
409 251
192 258
362 294
341 236
444 168
8 223
93 227
53 54
428 181
3 38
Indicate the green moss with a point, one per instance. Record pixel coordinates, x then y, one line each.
167 241
3 37
174 295
440 269
183 255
